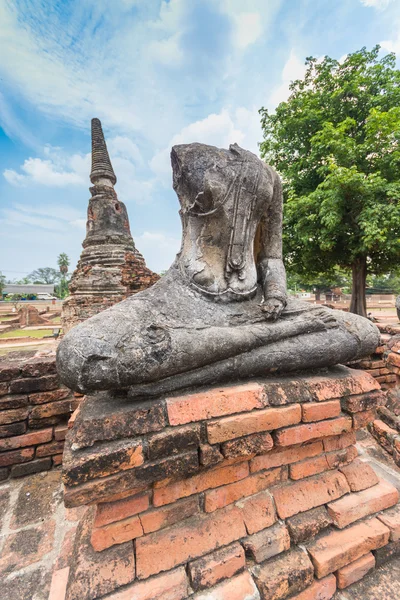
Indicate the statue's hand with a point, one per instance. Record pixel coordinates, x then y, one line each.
272 308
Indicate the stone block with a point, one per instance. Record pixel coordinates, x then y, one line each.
28 439
168 515
307 525
167 586
339 442
60 432
16 456
13 401
362 504
57 459
101 461
355 570
8 371
173 441
52 396
267 543
39 366
29 468
303 495
363 402
210 455
258 511
198 483
12 416
360 475
226 494
240 425
240 587
337 549
308 467
391 518
324 589
284 575
318 411
110 512
131 481
215 403
52 409
103 419
221 564
50 449
285 456
182 542
30 385
58 587
312 431
116 533
362 419
257 443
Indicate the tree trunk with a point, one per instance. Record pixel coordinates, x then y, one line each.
358 304
317 295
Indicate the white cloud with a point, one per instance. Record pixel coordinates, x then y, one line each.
229 126
293 69
392 45
379 4
248 28
55 218
54 171
158 248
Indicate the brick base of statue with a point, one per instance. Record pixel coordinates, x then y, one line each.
249 491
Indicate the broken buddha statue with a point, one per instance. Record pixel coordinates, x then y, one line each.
221 312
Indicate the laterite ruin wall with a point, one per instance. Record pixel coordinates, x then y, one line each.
247 491
34 411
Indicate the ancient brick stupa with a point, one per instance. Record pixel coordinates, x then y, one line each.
110 267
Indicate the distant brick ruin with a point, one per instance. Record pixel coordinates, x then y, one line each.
110 267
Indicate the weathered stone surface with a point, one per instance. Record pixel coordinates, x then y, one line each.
131 481
210 455
318 411
360 475
361 402
293 498
228 199
110 267
29 468
355 570
284 575
267 543
116 533
324 589
229 428
167 586
109 512
94 574
307 525
158 518
258 511
285 456
165 549
38 498
198 483
339 548
101 461
38 384
14 401
27 547
391 518
43 397
102 418
240 587
312 431
215 402
12 416
385 553
362 504
258 443
221 564
173 441
29 439
226 494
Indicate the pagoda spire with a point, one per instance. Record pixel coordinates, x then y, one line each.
102 171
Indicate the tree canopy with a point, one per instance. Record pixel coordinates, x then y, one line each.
44 275
336 143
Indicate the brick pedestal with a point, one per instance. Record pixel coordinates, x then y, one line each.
252 491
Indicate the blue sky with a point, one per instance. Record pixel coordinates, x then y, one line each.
156 72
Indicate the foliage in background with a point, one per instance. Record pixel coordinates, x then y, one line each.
336 143
2 283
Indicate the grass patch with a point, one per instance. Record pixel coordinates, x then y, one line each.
35 333
5 350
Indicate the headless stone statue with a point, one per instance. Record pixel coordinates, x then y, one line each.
221 312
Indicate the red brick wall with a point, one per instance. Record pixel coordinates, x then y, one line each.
34 410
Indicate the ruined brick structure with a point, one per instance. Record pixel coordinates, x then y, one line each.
34 411
251 491
110 267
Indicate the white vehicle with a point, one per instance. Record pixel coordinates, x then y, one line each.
46 296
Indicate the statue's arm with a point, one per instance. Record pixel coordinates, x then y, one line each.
272 269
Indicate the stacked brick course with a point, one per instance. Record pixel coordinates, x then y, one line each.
252 491
34 410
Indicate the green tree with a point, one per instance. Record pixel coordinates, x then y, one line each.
63 263
2 284
336 143
44 275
